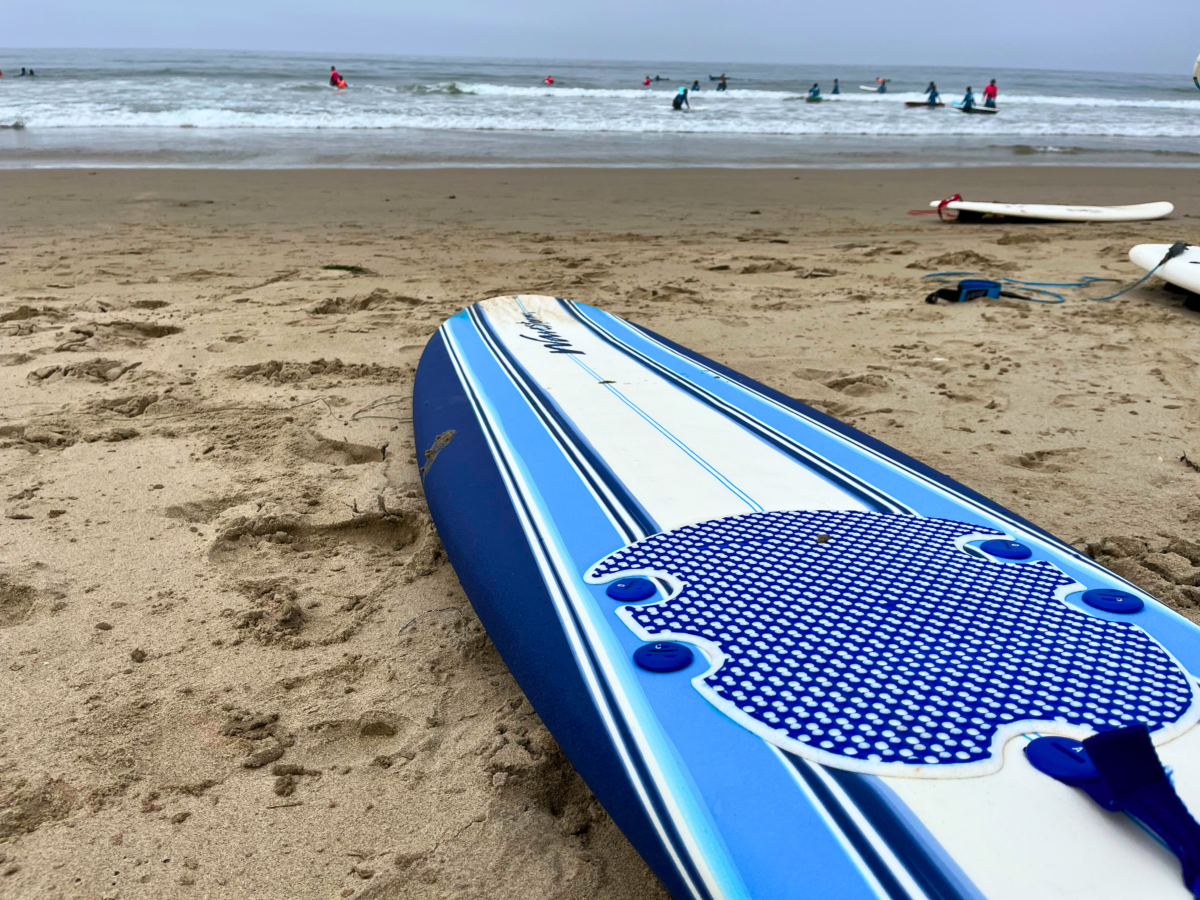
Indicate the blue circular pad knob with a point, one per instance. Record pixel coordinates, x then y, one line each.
1061 758
629 589
663 657
1006 549
1114 601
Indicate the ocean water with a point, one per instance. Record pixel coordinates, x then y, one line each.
222 109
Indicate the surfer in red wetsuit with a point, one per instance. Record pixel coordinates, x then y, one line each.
989 94
335 77
549 79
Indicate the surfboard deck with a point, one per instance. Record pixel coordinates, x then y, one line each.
858 675
1061 213
1182 271
916 104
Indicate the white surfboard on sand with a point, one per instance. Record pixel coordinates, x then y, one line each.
1183 270
1137 213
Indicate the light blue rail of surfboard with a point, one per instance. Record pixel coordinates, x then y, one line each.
751 820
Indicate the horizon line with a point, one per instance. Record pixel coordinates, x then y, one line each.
571 59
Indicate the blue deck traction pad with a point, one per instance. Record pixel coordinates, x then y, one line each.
885 648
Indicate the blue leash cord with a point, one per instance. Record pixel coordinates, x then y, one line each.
1036 287
1050 296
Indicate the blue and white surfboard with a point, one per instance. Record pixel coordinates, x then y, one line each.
790 661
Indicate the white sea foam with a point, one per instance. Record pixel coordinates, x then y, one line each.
241 94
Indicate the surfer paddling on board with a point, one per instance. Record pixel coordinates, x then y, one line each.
680 100
989 94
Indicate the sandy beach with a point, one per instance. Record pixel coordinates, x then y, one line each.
236 663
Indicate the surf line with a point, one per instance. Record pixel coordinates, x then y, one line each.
868 495
658 426
665 432
638 760
628 516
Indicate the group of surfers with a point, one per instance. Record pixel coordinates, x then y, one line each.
935 98
814 93
721 80
968 101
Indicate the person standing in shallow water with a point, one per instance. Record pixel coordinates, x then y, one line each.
989 94
837 88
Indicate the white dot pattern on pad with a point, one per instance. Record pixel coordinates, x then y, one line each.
872 637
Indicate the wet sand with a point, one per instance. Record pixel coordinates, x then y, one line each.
236 662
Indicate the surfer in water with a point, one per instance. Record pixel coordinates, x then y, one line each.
814 92
335 76
721 83
549 79
646 81
837 88
989 94
934 96
968 102
883 82
681 100
696 85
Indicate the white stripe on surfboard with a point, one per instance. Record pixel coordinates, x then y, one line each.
881 847
847 845
653 435
554 567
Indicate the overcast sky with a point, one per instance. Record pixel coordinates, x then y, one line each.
1097 35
